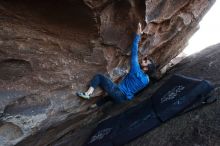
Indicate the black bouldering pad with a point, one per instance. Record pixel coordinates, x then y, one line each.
178 93
125 127
173 97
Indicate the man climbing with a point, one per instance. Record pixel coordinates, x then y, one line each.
133 82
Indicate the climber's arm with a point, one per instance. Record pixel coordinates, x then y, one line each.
134 51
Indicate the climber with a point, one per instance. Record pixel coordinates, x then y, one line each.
133 82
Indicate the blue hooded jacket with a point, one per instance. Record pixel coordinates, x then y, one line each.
136 79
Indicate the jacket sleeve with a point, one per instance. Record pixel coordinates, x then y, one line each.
134 54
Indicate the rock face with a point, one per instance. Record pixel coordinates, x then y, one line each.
51 49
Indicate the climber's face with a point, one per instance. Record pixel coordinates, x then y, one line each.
144 64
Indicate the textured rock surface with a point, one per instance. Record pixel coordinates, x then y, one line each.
50 49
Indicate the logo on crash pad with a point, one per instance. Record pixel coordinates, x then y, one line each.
100 134
173 93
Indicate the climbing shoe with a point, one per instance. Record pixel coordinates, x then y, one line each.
83 95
